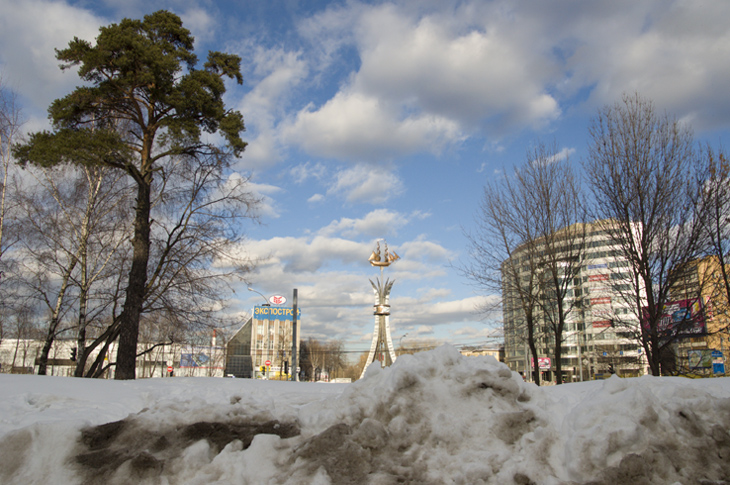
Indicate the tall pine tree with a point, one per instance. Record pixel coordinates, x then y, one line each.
145 100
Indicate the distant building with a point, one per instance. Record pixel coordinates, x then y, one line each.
265 337
496 352
599 326
20 356
699 302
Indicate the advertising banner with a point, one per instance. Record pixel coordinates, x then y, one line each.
275 313
682 318
699 358
598 277
542 362
601 301
602 324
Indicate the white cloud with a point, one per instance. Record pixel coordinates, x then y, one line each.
365 183
466 73
276 72
30 31
305 171
378 223
199 22
267 207
673 52
359 127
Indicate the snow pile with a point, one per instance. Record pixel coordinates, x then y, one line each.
434 417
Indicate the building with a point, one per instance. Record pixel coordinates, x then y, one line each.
262 347
20 356
496 352
700 298
599 335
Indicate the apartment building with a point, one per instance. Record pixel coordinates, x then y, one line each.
601 323
699 301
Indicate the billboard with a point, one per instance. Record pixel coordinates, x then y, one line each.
275 313
542 362
682 318
699 358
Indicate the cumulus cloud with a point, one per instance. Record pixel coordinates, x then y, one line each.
378 223
306 171
267 207
276 72
366 183
30 31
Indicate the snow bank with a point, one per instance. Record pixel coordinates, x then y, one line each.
434 417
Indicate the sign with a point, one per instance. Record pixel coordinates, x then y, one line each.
194 359
597 266
601 301
681 318
716 354
699 358
275 313
598 277
602 324
169 368
277 300
267 363
542 362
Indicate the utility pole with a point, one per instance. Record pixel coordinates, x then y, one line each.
294 362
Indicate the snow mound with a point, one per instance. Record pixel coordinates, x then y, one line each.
432 418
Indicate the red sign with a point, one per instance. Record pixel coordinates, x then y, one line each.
542 362
267 363
169 368
601 301
598 277
602 324
277 300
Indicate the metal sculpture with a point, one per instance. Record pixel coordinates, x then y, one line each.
381 348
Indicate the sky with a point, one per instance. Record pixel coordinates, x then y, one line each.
434 417
383 120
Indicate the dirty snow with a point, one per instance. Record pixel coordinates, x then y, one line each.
432 418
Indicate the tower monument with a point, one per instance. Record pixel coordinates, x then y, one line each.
381 348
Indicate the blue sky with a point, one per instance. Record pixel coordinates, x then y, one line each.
370 120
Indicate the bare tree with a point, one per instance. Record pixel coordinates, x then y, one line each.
73 229
527 246
716 205
646 181
555 198
197 213
10 124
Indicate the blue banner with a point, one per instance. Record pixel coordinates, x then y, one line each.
275 313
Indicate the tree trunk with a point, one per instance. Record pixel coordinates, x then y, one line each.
129 331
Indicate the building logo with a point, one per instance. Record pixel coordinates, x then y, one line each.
277 300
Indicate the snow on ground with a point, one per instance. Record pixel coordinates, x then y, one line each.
432 418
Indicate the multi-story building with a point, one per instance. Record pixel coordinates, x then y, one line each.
601 323
701 293
263 345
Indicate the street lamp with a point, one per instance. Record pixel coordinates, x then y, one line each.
400 341
262 296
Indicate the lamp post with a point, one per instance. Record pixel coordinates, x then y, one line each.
262 296
400 342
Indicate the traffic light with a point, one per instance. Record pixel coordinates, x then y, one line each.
263 368
73 354
610 369
286 367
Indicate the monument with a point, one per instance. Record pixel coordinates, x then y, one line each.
381 348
